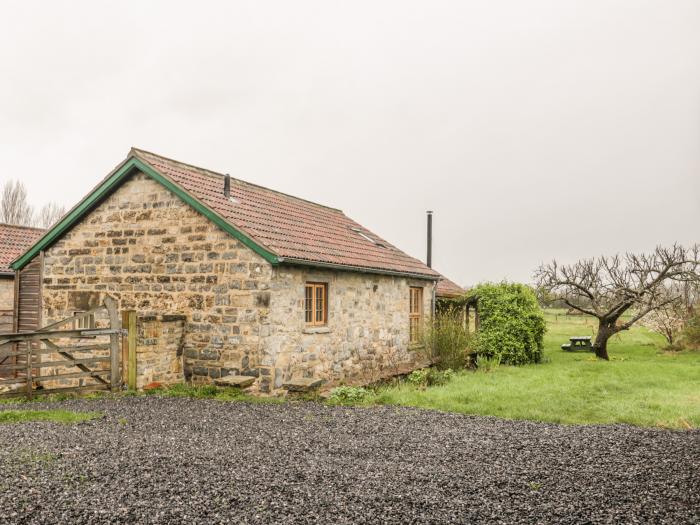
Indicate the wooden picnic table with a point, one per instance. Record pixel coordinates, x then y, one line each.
578 343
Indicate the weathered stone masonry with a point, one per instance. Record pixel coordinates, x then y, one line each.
367 335
7 295
156 255
160 341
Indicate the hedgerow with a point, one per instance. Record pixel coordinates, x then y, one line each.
512 326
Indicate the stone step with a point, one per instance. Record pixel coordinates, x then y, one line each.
237 381
302 385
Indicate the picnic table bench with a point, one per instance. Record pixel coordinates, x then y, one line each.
578 343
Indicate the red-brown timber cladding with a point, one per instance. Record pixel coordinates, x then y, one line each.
28 301
28 306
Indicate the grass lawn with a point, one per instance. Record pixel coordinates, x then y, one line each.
57 416
640 385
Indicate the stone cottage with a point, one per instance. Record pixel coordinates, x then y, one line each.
14 240
262 284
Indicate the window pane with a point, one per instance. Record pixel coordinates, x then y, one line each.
319 303
415 315
308 304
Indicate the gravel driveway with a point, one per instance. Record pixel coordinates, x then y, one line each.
152 460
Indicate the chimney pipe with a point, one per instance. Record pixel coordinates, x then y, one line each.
227 186
429 259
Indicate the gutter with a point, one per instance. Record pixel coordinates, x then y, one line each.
361 269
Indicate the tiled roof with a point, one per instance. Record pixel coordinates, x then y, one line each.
447 288
293 229
13 241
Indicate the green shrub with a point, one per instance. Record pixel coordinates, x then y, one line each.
690 336
430 377
512 325
418 377
349 395
447 342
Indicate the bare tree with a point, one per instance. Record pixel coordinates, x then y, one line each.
670 319
608 287
14 206
49 214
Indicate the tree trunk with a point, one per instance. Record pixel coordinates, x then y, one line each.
606 329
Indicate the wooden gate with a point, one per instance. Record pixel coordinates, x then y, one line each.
45 361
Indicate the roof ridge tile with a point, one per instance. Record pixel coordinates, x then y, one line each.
294 228
217 174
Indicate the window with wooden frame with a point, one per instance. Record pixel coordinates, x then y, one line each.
415 314
86 322
316 304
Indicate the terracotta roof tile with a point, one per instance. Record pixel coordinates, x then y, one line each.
290 227
446 288
14 240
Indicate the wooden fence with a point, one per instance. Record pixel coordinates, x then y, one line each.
30 362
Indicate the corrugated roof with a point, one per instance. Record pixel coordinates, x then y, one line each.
14 240
293 229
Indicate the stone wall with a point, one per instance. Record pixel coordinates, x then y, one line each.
7 296
367 333
160 345
7 293
154 254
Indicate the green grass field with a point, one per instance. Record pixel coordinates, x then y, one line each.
641 384
56 416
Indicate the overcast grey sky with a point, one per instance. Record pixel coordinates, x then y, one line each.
534 129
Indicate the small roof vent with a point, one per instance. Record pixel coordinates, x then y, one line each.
227 189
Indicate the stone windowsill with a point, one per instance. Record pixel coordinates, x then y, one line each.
317 330
416 346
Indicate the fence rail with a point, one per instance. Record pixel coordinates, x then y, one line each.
22 355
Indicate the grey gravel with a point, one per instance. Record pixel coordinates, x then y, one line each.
153 460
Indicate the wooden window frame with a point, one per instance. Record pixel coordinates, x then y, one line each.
86 323
311 306
415 314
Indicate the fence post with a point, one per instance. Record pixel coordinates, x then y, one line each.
111 306
29 370
125 347
129 323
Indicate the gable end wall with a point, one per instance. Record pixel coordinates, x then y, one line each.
156 255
